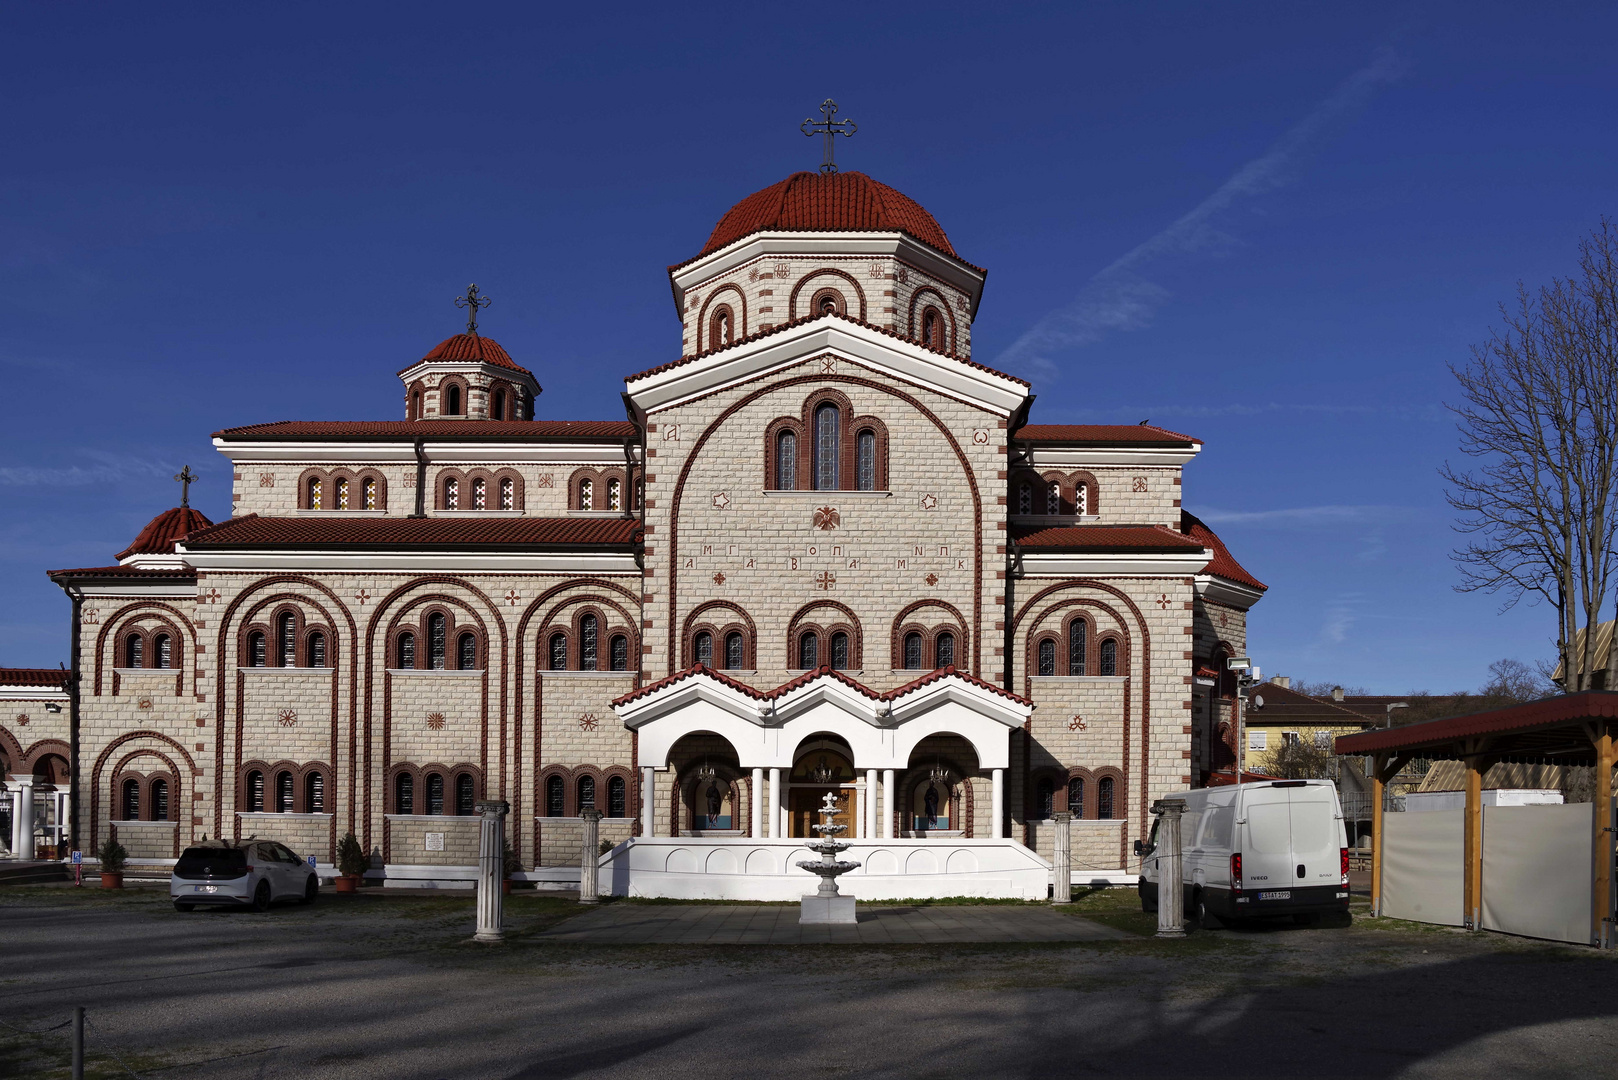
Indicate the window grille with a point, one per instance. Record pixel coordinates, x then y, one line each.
283 793
255 792
839 651
617 797
464 795
131 800
508 494
165 650
466 652
587 495
733 651
866 455
342 493
289 641
703 647
1078 647
255 649
452 494
314 493
404 794
1053 498
1075 797
786 461
314 793
407 650
913 651
587 793
809 651
614 495
558 652
480 494
1025 498
317 649
368 493
1047 657
553 797
134 648
619 652
1109 656
1081 498
827 422
587 643
160 800
435 793
436 626
1104 798
945 649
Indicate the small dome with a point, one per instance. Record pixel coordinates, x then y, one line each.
161 533
474 348
828 202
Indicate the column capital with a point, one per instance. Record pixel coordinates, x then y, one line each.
492 807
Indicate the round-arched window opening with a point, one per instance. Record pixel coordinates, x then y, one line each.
404 794
839 651
702 649
452 401
733 650
587 793
163 647
617 797
558 649
1075 797
407 650
1047 657
913 651
1044 798
283 793
435 793
160 800
317 649
932 329
131 800
314 793
618 653
809 651
945 649
465 795
553 796
256 652
497 411
255 792
134 651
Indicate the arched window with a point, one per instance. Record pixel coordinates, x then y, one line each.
452 401
255 649
466 652
558 652
553 796
342 493
839 651
615 494
436 627
1053 498
1078 646
160 800
809 651
945 650
1081 498
404 794
826 303
480 494
255 792
465 795
288 634
587 792
913 651
314 493
702 648
508 494
1025 498
786 461
131 801
452 494
1104 798
415 405
1075 797
283 792
163 646
1109 656
134 650
497 411
368 493
827 422
733 650
1047 657
435 793
407 650
865 460
587 644
721 330
314 793
618 653
1044 798
317 649
587 495
617 797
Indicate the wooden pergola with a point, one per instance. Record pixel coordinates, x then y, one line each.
1575 729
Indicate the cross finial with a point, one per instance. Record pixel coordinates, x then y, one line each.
829 129
186 478
472 302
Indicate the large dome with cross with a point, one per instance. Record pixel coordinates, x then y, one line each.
828 202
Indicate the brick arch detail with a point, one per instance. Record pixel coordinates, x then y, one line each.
856 629
117 617
853 283
739 312
943 306
98 771
903 622
749 647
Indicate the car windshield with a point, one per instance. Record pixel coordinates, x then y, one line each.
211 862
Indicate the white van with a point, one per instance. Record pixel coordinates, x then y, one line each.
1280 841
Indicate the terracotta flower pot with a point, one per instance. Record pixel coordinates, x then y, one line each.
112 879
348 882
505 886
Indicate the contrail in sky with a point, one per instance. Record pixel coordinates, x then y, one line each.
1118 298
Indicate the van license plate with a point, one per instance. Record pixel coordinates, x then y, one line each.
1284 894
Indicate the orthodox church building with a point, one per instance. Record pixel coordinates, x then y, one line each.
824 550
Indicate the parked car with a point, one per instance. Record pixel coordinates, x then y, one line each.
253 873
1267 848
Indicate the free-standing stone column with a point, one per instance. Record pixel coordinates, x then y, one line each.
1062 858
998 830
887 804
648 784
590 857
776 817
491 869
756 822
22 816
1170 878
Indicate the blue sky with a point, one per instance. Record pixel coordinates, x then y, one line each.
1268 225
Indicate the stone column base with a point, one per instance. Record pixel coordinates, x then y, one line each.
826 910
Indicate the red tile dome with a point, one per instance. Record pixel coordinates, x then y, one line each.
474 348
828 202
162 531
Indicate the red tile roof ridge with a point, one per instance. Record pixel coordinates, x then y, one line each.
470 348
792 324
164 531
1223 564
122 571
29 676
940 673
255 531
681 676
807 677
1093 432
412 429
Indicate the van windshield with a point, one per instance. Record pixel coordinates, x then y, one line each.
200 862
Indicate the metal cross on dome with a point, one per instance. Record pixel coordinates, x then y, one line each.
472 302
829 129
186 478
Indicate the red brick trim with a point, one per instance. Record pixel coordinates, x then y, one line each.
913 325
738 326
814 308
118 619
904 623
850 624
99 770
694 622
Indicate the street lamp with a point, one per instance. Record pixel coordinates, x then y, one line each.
1395 705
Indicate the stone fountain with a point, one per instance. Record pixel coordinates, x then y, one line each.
825 905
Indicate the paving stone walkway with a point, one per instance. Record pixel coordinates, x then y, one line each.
777 924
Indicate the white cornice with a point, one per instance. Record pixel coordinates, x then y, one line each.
902 359
401 451
1079 564
1224 591
10 692
466 562
461 367
1078 457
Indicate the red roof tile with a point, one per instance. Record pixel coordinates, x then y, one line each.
1106 539
827 202
50 678
504 430
473 348
163 530
253 531
1102 435
1224 564
178 573
1517 732
824 671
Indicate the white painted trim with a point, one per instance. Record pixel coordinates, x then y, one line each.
443 450
165 590
144 824
635 516
1083 565
1079 457
826 496
478 513
280 816
135 672
467 819
250 669
1224 591
438 673
572 674
9 692
339 513
460 562
1079 678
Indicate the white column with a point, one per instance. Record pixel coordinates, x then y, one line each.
777 819
870 804
590 858
756 821
887 804
491 869
998 832
22 817
647 798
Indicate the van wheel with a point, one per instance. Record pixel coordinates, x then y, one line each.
1201 917
184 907
312 890
261 897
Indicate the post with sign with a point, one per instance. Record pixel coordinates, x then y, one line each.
491 869
78 868
1170 875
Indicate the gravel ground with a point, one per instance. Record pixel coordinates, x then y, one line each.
389 986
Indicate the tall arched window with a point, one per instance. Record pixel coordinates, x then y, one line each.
733 650
255 792
1025 498
1109 656
256 649
368 493
508 494
702 648
809 651
283 792
404 794
1081 498
465 795
436 628
415 405
1047 657
587 644
1075 797
945 650
1078 647
1044 798
163 647
134 650
1104 789
131 800
1053 498
314 493
314 792
615 494
497 410
839 651
618 653
480 494
929 328
827 422
466 652
786 461
407 650
558 652
913 651
435 793
553 796
865 461
287 632
317 649
587 792
617 797
452 401
452 494
587 495
342 493
160 800
721 330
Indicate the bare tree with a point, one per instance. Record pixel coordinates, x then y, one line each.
1539 417
1299 759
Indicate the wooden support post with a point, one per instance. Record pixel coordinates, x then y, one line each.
1602 929
1472 904
1377 787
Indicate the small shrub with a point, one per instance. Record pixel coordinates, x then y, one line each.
606 846
513 864
351 858
114 856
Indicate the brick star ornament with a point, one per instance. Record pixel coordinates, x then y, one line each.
929 501
435 721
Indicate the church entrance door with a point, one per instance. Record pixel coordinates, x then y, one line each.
803 807
823 765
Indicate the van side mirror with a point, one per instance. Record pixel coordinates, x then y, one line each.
1140 847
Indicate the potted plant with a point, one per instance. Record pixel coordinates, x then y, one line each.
114 857
352 863
513 865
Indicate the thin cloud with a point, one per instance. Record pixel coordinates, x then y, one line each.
1264 408
1331 514
1119 298
109 469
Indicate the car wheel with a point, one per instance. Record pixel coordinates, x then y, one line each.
184 907
261 897
311 890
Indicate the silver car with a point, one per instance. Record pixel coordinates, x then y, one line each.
252 873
